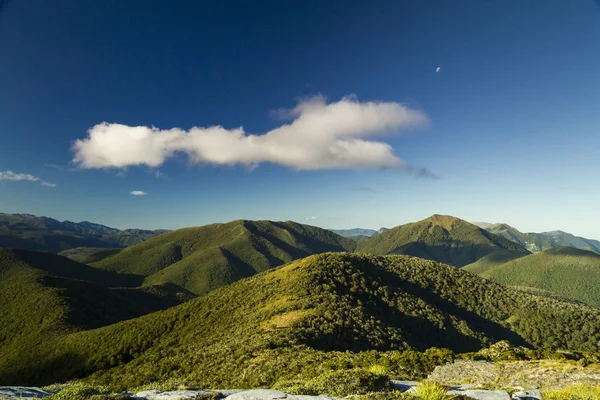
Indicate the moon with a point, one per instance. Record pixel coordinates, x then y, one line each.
438 69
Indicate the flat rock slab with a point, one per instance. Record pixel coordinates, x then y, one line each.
481 394
264 394
170 395
527 395
18 392
403 386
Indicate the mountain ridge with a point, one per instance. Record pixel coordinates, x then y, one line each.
540 241
41 233
303 314
441 238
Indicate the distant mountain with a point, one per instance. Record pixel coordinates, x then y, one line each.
536 242
354 232
288 322
382 229
204 258
43 295
26 231
566 271
441 238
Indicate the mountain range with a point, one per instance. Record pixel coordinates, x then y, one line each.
26 231
536 242
203 258
228 304
287 322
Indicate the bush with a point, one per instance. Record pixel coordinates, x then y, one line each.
85 392
347 382
428 390
295 388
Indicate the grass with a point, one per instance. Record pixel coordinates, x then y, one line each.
428 390
566 271
576 392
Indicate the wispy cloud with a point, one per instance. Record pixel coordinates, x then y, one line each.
13 176
423 173
321 135
60 167
311 218
365 189
138 193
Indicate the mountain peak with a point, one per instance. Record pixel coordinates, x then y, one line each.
445 221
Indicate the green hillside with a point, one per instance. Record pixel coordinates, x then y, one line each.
441 238
203 258
26 231
491 261
565 271
536 242
43 295
86 255
322 312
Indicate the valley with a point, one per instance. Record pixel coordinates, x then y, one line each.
226 305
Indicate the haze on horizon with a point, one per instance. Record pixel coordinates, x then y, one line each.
340 114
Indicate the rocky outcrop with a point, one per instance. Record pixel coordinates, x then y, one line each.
18 392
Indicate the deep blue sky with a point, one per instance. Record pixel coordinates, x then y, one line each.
514 112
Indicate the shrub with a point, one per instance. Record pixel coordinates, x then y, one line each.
79 391
428 390
347 382
295 388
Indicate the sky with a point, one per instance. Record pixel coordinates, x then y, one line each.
340 114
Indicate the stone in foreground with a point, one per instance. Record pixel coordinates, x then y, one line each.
18 392
481 394
527 395
170 395
264 394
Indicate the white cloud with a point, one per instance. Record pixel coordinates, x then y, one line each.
13 176
320 136
138 193
438 69
313 217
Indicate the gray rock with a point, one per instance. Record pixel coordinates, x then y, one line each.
527 395
403 386
464 386
170 395
258 394
481 394
19 392
227 392
263 394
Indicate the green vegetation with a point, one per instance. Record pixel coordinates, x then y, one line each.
44 297
25 231
565 271
201 259
536 242
87 255
337 383
441 238
428 390
328 312
491 261
576 392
